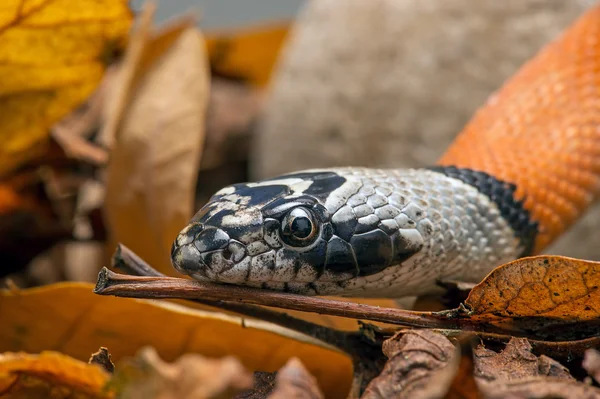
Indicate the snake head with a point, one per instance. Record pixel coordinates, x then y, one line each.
291 233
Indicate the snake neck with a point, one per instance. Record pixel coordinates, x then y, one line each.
467 223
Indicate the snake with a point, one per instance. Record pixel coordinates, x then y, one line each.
521 172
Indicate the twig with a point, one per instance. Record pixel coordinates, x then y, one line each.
111 283
129 262
363 346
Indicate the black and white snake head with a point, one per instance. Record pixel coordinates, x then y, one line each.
310 233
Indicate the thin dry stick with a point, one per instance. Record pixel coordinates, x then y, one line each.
129 262
364 350
111 283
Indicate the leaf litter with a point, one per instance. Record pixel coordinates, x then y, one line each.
532 324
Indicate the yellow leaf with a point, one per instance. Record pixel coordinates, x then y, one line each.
249 53
69 318
52 57
48 372
154 164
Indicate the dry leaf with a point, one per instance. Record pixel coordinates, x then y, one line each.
294 381
25 375
103 359
189 377
516 362
69 318
414 356
52 57
248 54
540 388
424 363
538 293
154 163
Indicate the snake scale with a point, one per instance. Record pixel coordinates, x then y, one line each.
521 172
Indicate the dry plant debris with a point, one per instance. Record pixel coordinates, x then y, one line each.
88 102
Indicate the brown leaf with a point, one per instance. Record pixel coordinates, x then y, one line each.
154 163
102 358
417 358
563 351
540 292
68 317
591 363
294 381
516 362
413 356
189 377
540 388
25 375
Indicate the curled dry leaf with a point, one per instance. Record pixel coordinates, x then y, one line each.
189 377
414 356
563 351
37 375
540 388
424 363
153 168
537 294
294 381
52 57
103 359
516 362
69 318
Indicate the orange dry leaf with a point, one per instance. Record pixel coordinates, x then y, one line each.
33 375
543 286
52 56
69 318
249 54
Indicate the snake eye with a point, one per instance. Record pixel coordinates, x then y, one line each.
298 227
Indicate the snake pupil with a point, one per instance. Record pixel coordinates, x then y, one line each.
298 228
301 227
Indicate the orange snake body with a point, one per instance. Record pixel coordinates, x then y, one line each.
541 131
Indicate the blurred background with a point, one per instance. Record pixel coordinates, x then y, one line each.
275 86
223 14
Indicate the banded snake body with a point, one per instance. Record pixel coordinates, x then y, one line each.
522 171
